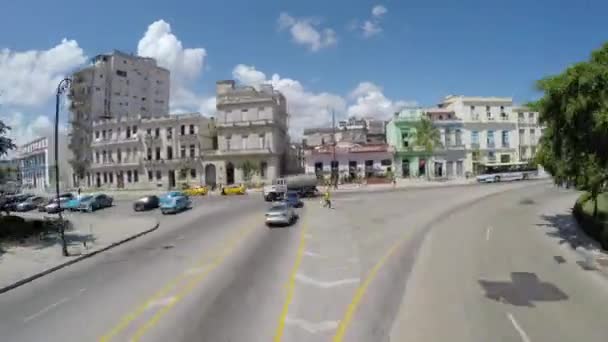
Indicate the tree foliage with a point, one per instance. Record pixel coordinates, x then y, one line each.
428 137
574 108
249 169
6 144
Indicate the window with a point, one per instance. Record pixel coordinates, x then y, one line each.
192 173
191 129
244 110
135 176
103 134
335 165
134 130
505 158
111 178
183 130
520 116
150 176
169 132
533 150
491 156
244 139
505 139
386 162
157 132
182 173
182 151
169 152
261 140
109 134
97 157
490 139
159 175
263 168
105 177
104 156
458 137
158 153
128 132
119 155
192 151
228 143
129 176
149 131
459 168
474 138
531 116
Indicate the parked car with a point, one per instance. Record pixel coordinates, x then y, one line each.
197 191
174 202
293 199
234 190
12 202
74 203
30 203
42 205
56 205
94 202
281 214
146 203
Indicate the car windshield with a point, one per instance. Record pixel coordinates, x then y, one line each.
276 208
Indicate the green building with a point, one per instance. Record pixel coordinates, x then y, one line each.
410 160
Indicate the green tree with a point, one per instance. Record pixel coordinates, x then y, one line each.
6 144
574 108
249 169
427 137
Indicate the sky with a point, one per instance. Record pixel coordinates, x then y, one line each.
362 58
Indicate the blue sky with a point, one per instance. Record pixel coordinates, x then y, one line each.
421 50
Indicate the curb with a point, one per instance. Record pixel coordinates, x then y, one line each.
73 261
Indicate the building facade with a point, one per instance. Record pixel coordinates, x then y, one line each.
37 164
410 160
449 157
350 161
251 128
115 85
149 152
353 130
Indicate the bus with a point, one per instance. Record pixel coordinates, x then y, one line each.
501 172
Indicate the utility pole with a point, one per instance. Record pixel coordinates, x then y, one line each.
334 166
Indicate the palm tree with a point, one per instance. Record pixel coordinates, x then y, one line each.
428 137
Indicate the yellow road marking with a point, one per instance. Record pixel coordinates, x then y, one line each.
291 285
354 304
190 286
130 317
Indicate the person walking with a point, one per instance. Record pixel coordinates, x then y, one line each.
327 199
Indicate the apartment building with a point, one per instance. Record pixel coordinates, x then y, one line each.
410 160
251 127
353 130
492 129
37 164
115 85
149 152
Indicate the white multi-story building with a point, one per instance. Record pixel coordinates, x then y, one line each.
37 164
115 85
149 152
490 129
251 127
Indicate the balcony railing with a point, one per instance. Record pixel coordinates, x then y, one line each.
491 145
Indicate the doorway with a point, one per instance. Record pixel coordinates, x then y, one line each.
405 168
229 173
210 179
171 174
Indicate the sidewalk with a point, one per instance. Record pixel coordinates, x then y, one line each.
90 235
402 184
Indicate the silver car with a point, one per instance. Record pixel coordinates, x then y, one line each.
281 214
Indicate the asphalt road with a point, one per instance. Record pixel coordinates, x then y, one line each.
474 263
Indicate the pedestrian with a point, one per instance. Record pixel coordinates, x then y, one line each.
327 199
78 191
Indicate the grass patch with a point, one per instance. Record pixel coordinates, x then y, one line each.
596 227
16 229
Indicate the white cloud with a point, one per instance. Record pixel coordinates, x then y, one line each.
30 78
24 129
248 75
185 64
370 101
306 31
372 27
378 11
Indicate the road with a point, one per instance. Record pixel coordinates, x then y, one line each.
474 263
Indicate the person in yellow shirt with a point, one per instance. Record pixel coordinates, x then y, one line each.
327 199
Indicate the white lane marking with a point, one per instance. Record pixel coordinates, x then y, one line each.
313 328
326 284
161 302
196 270
308 236
488 230
45 310
312 254
522 333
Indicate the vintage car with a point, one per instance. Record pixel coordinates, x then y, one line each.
94 202
146 203
173 202
234 190
196 191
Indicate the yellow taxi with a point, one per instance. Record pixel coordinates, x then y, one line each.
197 191
234 190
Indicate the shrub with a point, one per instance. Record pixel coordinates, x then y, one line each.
596 228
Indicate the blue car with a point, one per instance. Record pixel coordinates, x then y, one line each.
174 202
293 199
74 203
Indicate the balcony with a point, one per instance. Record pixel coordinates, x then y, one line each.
239 152
491 144
491 159
248 123
475 146
108 142
505 144
188 137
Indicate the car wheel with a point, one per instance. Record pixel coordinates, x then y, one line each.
497 179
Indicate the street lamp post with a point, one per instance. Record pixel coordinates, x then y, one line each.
63 86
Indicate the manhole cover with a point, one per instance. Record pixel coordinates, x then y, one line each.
168 246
